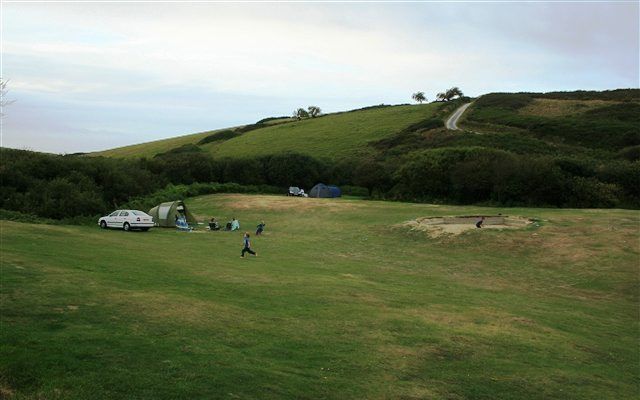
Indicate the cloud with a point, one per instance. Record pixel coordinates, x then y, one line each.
167 68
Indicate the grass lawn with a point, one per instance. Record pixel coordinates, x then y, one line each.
338 305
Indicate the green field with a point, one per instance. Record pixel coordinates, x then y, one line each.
150 149
333 136
340 304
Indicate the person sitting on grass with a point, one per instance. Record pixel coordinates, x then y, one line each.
214 225
181 223
247 246
235 224
260 229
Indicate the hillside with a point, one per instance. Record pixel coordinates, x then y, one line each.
343 301
573 149
607 121
332 136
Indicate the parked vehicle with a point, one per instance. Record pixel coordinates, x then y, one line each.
127 220
296 191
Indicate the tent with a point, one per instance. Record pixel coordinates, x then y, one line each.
322 190
165 214
335 191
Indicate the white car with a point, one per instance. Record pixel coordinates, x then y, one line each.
127 220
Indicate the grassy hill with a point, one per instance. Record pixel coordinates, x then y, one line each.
606 121
596 124
342 302
333 136
150 149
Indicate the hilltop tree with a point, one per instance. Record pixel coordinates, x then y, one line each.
419 97
449 94
314 111
453 92
300 113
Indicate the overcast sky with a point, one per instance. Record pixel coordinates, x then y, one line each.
92 76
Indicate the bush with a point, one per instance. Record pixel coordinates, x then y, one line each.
265 120
589 192
358 191
219 136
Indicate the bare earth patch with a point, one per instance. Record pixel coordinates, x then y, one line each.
439 226
558 108
282 203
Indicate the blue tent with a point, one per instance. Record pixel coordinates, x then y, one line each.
322 190
335 191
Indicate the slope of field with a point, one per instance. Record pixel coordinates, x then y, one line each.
341 303
332 136
150 149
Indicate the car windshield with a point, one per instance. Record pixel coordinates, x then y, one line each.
113 214
139 213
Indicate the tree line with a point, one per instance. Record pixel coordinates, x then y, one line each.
56 186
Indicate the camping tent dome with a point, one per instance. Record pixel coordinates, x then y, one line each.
322 190
165 214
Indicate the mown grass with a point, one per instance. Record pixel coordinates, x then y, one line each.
341 303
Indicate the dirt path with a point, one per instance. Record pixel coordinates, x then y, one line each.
452 122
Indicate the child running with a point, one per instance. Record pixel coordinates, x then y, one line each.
247 246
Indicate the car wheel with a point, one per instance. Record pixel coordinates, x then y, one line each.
103 225
126 226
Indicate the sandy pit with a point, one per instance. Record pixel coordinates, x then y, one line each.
438 226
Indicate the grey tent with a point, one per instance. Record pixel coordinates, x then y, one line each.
165 214
320 190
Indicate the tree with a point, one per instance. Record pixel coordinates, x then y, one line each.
3 96
300 113
453 92
419 97
314 111
449 94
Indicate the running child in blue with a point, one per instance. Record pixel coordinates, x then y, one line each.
247 246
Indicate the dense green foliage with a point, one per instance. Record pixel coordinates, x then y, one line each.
342 303
65 186
60 187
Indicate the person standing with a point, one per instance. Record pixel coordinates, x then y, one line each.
247 246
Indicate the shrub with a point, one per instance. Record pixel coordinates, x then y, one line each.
219 136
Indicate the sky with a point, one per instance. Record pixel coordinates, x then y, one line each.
95 75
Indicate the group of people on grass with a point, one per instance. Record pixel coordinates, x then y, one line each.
234 225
